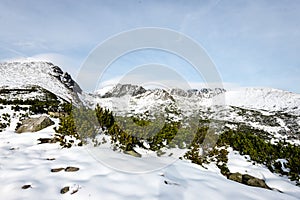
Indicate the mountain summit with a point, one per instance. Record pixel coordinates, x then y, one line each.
27 74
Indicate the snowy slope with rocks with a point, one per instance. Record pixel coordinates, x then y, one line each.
131 99
267 99
26 167
264 99
271 110
26 74
30 170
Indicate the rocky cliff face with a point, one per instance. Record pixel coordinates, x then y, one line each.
127 89
65 78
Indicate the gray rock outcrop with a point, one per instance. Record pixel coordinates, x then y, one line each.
34 124
248 180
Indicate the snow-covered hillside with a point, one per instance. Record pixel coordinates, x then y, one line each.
267 99
271 110
29 170
264 99
25 74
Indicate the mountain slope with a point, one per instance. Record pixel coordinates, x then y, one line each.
264 99
267 99
274 111
25 74
24 162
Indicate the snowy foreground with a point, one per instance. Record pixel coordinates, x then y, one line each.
25 162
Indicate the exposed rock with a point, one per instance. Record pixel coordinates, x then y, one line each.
238 177
70 83
162 94
24 187
47 140
203 93
56 114
74 191
126 89
170 183
57 169
248 180
178 92
253 181
71 169
34 124
65 190
133 153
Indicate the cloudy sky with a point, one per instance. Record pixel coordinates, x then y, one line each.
251 43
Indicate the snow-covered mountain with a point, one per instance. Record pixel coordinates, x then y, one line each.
121 90
27 74
268 99
129 98
274 111
30 169
271 110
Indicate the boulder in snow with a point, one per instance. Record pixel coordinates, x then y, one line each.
34 124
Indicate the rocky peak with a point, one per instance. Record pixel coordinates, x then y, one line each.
124 89
202 93
162 94
65 78
120 90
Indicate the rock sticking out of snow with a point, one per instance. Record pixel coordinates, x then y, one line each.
34 124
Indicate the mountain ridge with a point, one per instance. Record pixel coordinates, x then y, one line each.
258 118
275 111
24 74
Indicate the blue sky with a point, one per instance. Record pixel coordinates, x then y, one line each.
252 43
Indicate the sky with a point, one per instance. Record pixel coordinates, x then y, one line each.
253 43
